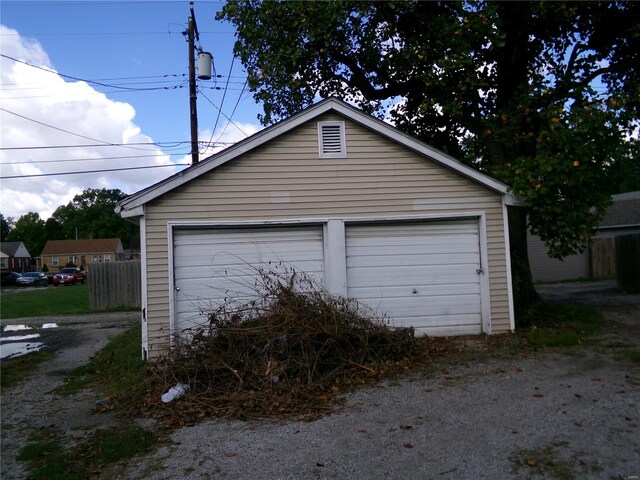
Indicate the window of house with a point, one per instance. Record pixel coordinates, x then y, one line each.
72 259
55 262
331 140
95 258
107 258
4 262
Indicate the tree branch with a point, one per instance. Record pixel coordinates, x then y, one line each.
359 80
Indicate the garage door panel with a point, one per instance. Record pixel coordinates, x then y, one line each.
414 276
427 291
403 229
439 328
247 266
212 266
432 258
446 305
245 255
439 261
447 244
466 320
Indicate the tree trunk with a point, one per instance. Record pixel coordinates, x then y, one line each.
524 292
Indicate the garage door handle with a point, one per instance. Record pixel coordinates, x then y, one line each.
177 289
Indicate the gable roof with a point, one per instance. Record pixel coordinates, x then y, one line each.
74 247
13 249
623 212
131 206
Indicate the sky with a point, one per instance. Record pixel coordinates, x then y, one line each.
91 90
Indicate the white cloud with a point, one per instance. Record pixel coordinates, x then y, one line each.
36 99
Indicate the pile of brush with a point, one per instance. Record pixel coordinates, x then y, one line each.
288 350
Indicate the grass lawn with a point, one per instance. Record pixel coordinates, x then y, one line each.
43 302
564 326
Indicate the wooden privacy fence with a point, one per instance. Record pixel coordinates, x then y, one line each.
114 284
628 262
602 257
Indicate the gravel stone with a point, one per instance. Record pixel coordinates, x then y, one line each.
488 415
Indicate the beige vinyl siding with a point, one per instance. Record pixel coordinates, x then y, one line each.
286 180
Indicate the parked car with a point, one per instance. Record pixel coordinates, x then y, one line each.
69 276
32 279
8 278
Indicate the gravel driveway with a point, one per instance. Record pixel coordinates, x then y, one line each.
571 414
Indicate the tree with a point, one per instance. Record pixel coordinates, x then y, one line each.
91 215
29 229
542 95
5 227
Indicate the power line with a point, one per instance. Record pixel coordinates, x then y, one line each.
223 144
224 115
36 86
78 79
99 34
143 77
93 159
93 171
157 144
119 92
233 59
232 113
70 133
14 3
162 145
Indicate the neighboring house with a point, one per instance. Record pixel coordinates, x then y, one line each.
131 254
14 257
365 209
58 253
622 216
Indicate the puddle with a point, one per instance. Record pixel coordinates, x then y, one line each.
15 345
20 328
16 328
15 349
15 338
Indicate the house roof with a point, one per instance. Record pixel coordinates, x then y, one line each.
131 206
10 249
75 247
623 212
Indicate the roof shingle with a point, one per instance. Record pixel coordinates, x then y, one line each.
74 247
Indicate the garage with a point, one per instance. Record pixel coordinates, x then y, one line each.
370 212
214 264
425 275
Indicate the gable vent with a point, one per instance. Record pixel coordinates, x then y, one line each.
331 140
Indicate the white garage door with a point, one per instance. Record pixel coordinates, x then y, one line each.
423 275
212 265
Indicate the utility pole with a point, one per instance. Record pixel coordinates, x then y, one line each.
192 34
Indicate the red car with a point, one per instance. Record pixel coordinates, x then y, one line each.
69 276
